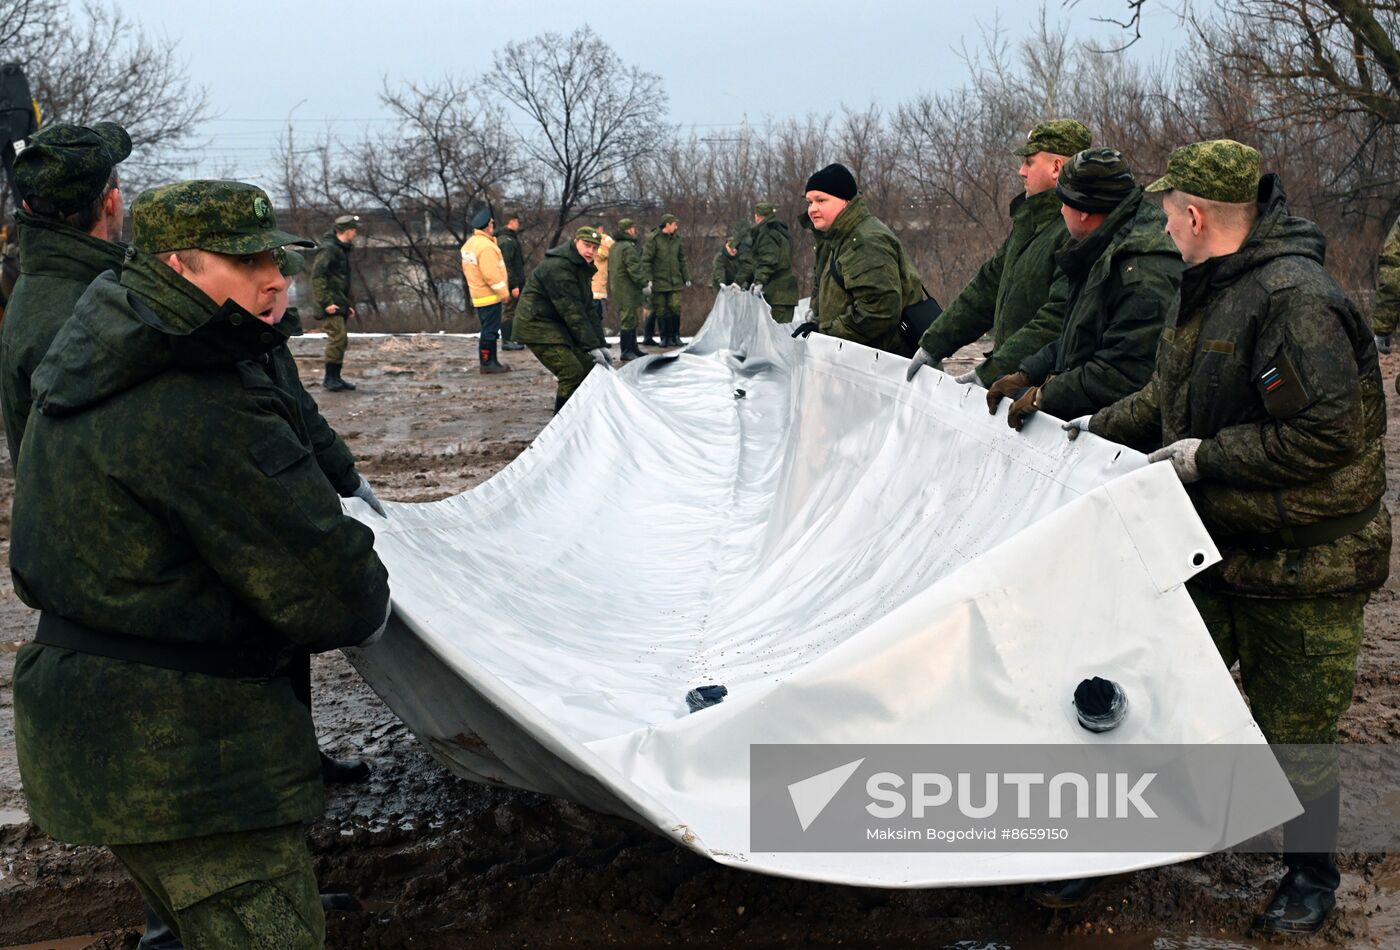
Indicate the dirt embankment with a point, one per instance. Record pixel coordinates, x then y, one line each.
440 862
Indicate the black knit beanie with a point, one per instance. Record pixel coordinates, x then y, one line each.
836 180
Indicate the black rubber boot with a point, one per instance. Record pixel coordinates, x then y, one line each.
630 350
1308 891
559 403
489 364
333 381
508 336
673 332
158 935
343 771
1069 893
648 339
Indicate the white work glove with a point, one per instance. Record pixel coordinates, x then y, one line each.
687 283
757 289
601 357
647 289
1075 426
1182 455
969 377
921 358
366 494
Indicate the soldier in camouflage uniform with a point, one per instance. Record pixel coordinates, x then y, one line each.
626 277
173 524
1018 295
330 282
1123 273
725 267
508 240
71 220
1267 402
742 240
1387 310
667 276
867 278
771 251
554 319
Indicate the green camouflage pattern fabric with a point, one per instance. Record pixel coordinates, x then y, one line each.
626 278
1058 137
1123 281
250 889
742 242
1017 296
724 269
1274 369
58 264
337 339
168 488
556 305
772 262
879 280
1218 170
666 303
1096 180
588 235
664 257
68 166
1387 311
333 456
330 276
509 243
226 217
1297 661
765 209
569 364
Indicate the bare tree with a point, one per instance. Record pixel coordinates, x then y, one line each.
592 115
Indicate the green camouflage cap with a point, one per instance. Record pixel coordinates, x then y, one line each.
765 208
1096 180
227 217
1058 137
624 224
1218 170
289 262
348 221
65 168
668 219
588 235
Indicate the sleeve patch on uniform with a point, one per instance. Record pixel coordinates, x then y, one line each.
1282 389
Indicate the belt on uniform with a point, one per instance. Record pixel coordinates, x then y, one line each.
1304 536
225 661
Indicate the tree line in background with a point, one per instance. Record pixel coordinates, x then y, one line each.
561 129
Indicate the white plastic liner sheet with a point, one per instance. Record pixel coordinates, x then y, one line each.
857 558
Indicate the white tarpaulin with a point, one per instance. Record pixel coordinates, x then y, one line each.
856 558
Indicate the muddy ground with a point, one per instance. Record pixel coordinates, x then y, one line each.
438 862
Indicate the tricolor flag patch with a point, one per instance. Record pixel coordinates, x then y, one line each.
1272 379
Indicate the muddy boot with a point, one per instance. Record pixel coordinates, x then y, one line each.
512 345
489 364
343 771
333 383
629 346
158 935
508 336
648 339
1308 891
1069 893
673 334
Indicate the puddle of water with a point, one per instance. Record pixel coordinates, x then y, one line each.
12 816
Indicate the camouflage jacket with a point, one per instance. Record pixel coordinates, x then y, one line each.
1017 296
627 275
772 261
167 490
330 277
1387 311
557 302
1272 367
1122 280
743 259
867 281
725 270
509 243
664 257
58 264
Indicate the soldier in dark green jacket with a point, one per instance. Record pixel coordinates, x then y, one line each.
66 180
725 267
1123 273
1267 402
667 276
172 523
508 240
867 279
772 261
1016 295
742 239
330 282
1387 310
626 278
555 314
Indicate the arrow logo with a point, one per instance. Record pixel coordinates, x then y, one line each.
811 795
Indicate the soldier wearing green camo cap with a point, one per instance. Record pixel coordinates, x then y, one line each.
330 282
770 257
1266 400
70 216
626 277
175 522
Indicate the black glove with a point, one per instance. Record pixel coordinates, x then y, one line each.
803 330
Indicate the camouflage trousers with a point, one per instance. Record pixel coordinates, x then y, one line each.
337 338
569 364
246 889
782 312
508 317
666 303
1297 661
596 316
628 317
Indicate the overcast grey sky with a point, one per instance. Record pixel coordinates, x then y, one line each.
721 60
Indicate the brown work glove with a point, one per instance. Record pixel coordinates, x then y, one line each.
1011 386
1025 404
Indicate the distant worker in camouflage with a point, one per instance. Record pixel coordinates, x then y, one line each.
1266 400
175 527
772 261
330 281
626 278
667 275
724 269
1387 311
508 240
